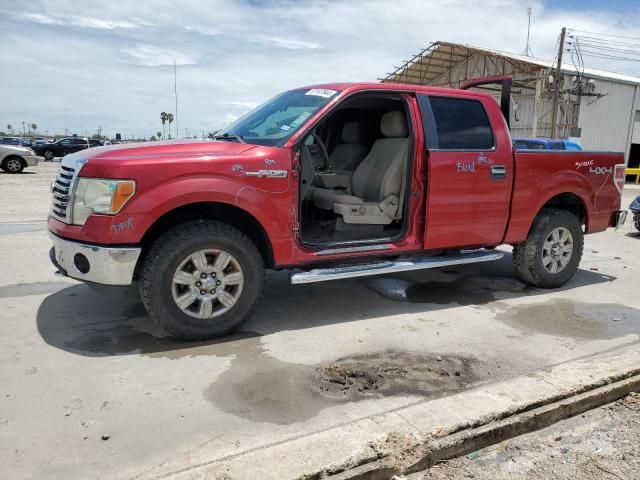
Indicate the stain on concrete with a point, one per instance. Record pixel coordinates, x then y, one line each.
34 288
9 228
568 318
469 290
127 339
261 388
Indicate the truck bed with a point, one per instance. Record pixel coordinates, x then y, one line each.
541 175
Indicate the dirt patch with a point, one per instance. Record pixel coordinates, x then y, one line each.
597 445
393 373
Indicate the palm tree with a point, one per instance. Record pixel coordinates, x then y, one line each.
10 128
163 119
34 127
170 119
159 135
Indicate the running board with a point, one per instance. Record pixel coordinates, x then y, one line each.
385 267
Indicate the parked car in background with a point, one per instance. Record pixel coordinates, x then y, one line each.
64 147
545 144
635 209
14 158
11 141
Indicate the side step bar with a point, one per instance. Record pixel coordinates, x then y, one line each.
385 267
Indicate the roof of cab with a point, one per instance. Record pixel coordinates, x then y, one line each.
356 86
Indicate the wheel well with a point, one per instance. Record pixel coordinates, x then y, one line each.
571 203
222 212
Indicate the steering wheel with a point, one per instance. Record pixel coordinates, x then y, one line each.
323 148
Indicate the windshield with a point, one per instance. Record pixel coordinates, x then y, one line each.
273 122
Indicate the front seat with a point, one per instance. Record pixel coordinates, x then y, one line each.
348 154
376 185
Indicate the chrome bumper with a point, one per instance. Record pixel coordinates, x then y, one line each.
621 217
92 263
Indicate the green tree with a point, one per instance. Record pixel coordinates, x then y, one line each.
159 135
170 119
34 127
163 119
10 128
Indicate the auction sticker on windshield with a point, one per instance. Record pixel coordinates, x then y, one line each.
321 92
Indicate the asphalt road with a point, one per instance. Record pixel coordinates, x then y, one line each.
90 388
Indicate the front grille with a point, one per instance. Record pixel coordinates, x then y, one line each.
61 190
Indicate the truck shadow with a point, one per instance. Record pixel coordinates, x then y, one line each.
103 321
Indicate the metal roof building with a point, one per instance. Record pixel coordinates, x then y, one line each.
600 109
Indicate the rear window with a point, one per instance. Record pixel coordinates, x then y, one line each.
461 124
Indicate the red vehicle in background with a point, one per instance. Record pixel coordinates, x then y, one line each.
336 181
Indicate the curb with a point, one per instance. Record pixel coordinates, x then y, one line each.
422 456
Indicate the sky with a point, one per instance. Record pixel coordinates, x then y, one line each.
77 66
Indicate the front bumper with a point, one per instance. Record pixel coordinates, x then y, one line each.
32 160
93 263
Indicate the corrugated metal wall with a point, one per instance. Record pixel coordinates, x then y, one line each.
605 121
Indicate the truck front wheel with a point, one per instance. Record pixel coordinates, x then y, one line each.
201 280
550 255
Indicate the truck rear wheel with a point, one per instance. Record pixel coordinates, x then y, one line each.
201 280
550 255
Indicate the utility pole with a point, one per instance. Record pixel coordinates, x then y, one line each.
175 91
556 96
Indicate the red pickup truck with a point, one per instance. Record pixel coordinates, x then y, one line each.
332 181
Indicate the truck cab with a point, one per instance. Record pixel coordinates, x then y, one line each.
331 181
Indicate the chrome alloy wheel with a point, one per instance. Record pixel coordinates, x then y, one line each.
14 165
207 283
557 250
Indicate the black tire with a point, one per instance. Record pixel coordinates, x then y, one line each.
48 155
636 221
165 256
528 256
13 165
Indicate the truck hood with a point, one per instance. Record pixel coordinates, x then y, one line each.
167 149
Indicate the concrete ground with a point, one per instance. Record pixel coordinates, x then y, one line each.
90 388
601 444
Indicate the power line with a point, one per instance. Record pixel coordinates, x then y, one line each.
609 57
604 34
607 49
604 42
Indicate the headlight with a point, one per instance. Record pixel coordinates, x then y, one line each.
103 196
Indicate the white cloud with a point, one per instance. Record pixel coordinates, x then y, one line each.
81 69
153 56
79 21
288 43
242 104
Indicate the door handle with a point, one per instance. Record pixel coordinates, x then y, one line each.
498 172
